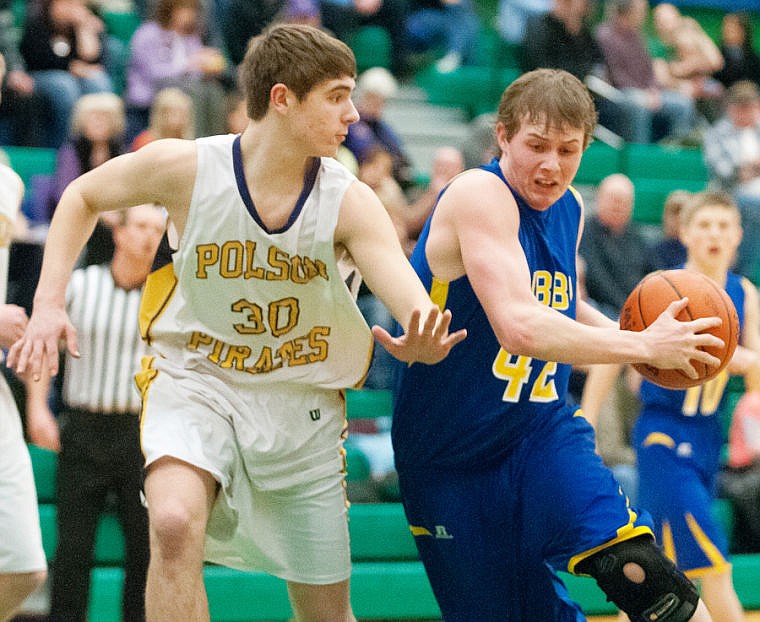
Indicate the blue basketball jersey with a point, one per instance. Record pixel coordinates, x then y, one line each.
474 406
695 411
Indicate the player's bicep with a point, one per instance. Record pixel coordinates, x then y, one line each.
162 173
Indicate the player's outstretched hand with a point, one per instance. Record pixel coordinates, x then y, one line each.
676 344
429 343
38 347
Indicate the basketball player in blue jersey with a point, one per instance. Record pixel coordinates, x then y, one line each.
498 474
243 410
678 435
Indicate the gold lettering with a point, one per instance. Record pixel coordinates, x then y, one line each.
235 358
231 265
198 339
208 255
252 272
279 310
255 318
277 259
320 346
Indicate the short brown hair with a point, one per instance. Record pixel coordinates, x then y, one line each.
296 55
165 8
707 198
550 96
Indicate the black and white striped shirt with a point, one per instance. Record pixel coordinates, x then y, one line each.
106 319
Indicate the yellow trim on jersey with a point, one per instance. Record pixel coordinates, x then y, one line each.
698 573
576 194
419 531
439 293
143 379
626 532
158 291
659 438
363 379
668 546
710 550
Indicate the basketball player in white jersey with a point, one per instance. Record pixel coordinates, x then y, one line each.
257 334
22 561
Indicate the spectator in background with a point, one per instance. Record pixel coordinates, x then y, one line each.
617 255
171 116
97 135
373 88
237 118
740 60
345 17
447 163
561 39
732 156
243 19
169 51
62 46
692 60
650 111
670 252
376 170
451 25
100 420
514 16
21 107
739 482
480 146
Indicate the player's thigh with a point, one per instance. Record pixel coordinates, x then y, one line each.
570 500
318 603
481 562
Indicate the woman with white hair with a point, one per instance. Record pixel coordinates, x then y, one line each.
97 135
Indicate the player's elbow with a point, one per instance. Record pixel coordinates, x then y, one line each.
519 336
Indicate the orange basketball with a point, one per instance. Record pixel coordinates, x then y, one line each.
706 299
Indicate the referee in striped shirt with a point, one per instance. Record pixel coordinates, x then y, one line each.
97 432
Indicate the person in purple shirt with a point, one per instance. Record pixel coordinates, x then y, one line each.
167 51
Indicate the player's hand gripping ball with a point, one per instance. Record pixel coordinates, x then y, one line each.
652 296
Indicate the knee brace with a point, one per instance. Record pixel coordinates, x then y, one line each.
664 594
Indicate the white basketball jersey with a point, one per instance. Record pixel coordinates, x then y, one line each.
11 188
249 305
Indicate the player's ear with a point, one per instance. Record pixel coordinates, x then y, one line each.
278 97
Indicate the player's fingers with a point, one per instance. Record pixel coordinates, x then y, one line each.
413 329
675 307
430 321
454 338
71 341
384 338
708 340
689 370
707 358
15 354
704 323
443 324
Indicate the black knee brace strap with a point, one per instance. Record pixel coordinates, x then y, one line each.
665 594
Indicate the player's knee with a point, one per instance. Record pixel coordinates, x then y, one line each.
172 530
638 578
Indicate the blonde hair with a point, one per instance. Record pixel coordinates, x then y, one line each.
99 102
165 100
